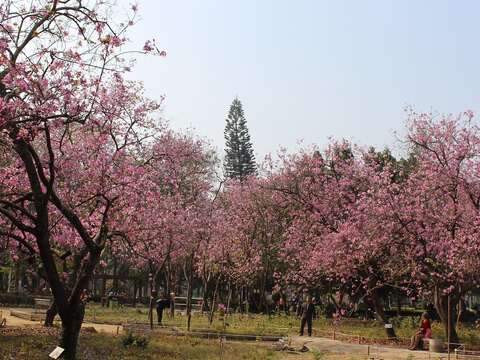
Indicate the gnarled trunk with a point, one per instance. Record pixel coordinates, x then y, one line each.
227 310
50 315
206 279
71 331
376 303
189 276
214 299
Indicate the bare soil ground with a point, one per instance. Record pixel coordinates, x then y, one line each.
17 322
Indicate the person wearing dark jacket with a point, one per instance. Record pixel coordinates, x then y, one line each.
307 313
162 304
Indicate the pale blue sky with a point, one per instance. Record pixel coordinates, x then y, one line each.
310 69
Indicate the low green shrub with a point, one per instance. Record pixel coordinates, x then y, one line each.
131 340
318 355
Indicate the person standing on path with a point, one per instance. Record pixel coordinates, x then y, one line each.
162 304
307 313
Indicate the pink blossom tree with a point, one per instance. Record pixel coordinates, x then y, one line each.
168 209
333 243
255 224
69 122
437 210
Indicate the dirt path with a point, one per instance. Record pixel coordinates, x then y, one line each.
15 321
366 351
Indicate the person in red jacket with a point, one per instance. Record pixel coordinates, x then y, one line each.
424 332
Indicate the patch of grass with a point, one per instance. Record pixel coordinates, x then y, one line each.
236 324
404 328
102 347
278 324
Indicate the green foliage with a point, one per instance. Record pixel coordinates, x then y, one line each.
405 322
239 159
134 341
402 168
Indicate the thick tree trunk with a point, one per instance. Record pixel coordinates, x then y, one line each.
399 305
9 283
460 310
170 287
50 315
72 311
115 278
380 314
441 305
135 289
263 304
71 331
205 293
189 306
335 303
214 298
153 294
94 286
189 292
102 293
240 299
228 305
167 283
150 312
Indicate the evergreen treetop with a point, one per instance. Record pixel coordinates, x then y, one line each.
239 159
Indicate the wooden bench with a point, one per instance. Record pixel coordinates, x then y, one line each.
181 304
42 303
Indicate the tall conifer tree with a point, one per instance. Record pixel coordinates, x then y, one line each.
239 159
